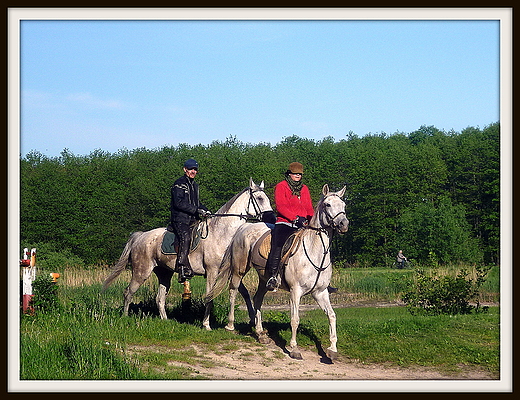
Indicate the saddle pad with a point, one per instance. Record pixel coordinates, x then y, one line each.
261 250
265 244
263 247
170 242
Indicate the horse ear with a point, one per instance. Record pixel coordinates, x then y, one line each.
342 191
251 183
262 185
325 189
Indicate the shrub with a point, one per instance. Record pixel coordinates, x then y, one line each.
434 295
45 294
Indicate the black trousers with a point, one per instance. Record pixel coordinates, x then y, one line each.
279 236
183 232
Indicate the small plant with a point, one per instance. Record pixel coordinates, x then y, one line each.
434 295
45 294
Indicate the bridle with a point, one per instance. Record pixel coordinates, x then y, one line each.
326 249
248 217
252 201
331 223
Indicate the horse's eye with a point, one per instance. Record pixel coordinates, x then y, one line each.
328 205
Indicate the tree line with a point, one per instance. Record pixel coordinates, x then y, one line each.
433 194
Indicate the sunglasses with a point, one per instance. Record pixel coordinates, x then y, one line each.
296 173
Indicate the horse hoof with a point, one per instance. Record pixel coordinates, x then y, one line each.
332 354
229 328
296 355
264 339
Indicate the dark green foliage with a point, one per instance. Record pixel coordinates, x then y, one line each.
433 194
452 295
438 233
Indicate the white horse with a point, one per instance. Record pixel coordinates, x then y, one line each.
143 249
307 266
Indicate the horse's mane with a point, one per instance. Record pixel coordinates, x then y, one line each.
316 208
225 208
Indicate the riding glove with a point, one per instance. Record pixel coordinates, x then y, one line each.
300 222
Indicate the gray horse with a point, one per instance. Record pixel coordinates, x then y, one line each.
307 266
143 249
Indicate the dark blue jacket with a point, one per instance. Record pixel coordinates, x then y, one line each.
185 201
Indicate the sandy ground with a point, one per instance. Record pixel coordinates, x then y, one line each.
273 363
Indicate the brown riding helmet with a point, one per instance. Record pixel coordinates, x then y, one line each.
296 168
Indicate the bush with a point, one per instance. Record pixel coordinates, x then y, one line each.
433 295
45 294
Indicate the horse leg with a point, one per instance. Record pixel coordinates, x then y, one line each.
135 283
323 300
295 322
207 313
210 279
231 315
165 277
247 298
258 298
237 286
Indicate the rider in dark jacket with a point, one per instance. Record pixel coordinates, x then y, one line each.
185 210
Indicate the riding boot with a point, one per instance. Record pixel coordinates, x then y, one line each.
271 268
331 289
182 265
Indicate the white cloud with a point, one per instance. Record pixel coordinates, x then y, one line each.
91 101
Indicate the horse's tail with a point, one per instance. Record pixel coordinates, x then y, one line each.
223 276
122 262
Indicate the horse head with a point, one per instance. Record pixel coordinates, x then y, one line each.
259 204
330 211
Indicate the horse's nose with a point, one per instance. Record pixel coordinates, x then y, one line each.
343 225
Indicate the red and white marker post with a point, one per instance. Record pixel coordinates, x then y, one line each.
28 276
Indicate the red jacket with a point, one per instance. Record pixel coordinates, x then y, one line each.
288 206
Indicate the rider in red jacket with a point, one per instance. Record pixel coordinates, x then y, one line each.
294 210
290 206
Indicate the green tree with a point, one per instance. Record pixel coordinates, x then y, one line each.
395 184
437 232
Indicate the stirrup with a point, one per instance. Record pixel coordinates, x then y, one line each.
185 273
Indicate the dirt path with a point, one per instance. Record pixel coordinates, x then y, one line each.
255 361
271 363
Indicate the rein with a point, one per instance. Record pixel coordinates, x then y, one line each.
326 249
247 217
256 207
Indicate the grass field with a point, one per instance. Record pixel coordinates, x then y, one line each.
86 337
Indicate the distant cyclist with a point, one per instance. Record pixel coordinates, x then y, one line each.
401 259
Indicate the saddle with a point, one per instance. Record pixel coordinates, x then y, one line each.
170 241
262 248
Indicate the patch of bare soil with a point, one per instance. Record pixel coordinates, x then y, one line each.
270 362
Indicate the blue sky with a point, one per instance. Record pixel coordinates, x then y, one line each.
106 84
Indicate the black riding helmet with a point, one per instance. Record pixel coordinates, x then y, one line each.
191 163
